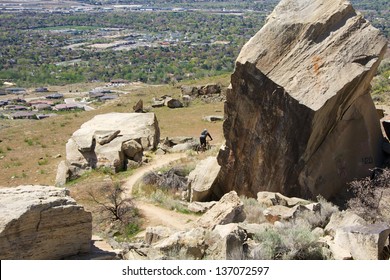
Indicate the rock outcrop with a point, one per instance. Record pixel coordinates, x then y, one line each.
312 231
42 222
207 93
201 179
300 119
229 209
109 140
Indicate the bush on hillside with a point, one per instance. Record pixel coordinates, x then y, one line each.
367 195
292 241
114 211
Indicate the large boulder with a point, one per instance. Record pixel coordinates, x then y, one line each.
110 140
229 209
186 245
201 179
227 242
300 119
173 103
364 242
42 222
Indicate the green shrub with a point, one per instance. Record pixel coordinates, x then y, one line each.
165 200
271 245
293 241
253 210
43 161
29 141
131 229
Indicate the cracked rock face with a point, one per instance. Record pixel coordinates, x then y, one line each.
103 142
42 223
300 119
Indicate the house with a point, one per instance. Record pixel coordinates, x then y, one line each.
36 102
20 108
22 115
94 95
16 108
2 92
55 96
68 107
17 101
41 89
41 107
3 103
15 90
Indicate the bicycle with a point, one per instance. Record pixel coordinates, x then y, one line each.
202 148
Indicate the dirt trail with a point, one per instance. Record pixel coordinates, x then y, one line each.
154 215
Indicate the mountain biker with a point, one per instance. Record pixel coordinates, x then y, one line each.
203 136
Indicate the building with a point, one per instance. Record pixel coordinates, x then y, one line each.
67 107
55 96
41 107
21 115
15 91
41 89
36 102
16 108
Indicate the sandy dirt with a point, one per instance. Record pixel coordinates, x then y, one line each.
154 215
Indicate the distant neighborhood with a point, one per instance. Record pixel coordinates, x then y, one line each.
40 103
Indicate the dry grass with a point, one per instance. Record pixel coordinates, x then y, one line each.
29 148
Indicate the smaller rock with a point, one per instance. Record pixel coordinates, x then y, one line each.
190 245
160 152
186 100
227 242
210 89
279 212
318 231
105 136
364 242
343 219
182 148
202 178
200 207
154 234
189 90
178 140
213 118
173 103
131 164
139 107
156 103
268 199
63 174
229 209
132 148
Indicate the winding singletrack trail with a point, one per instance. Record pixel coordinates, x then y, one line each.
152 214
